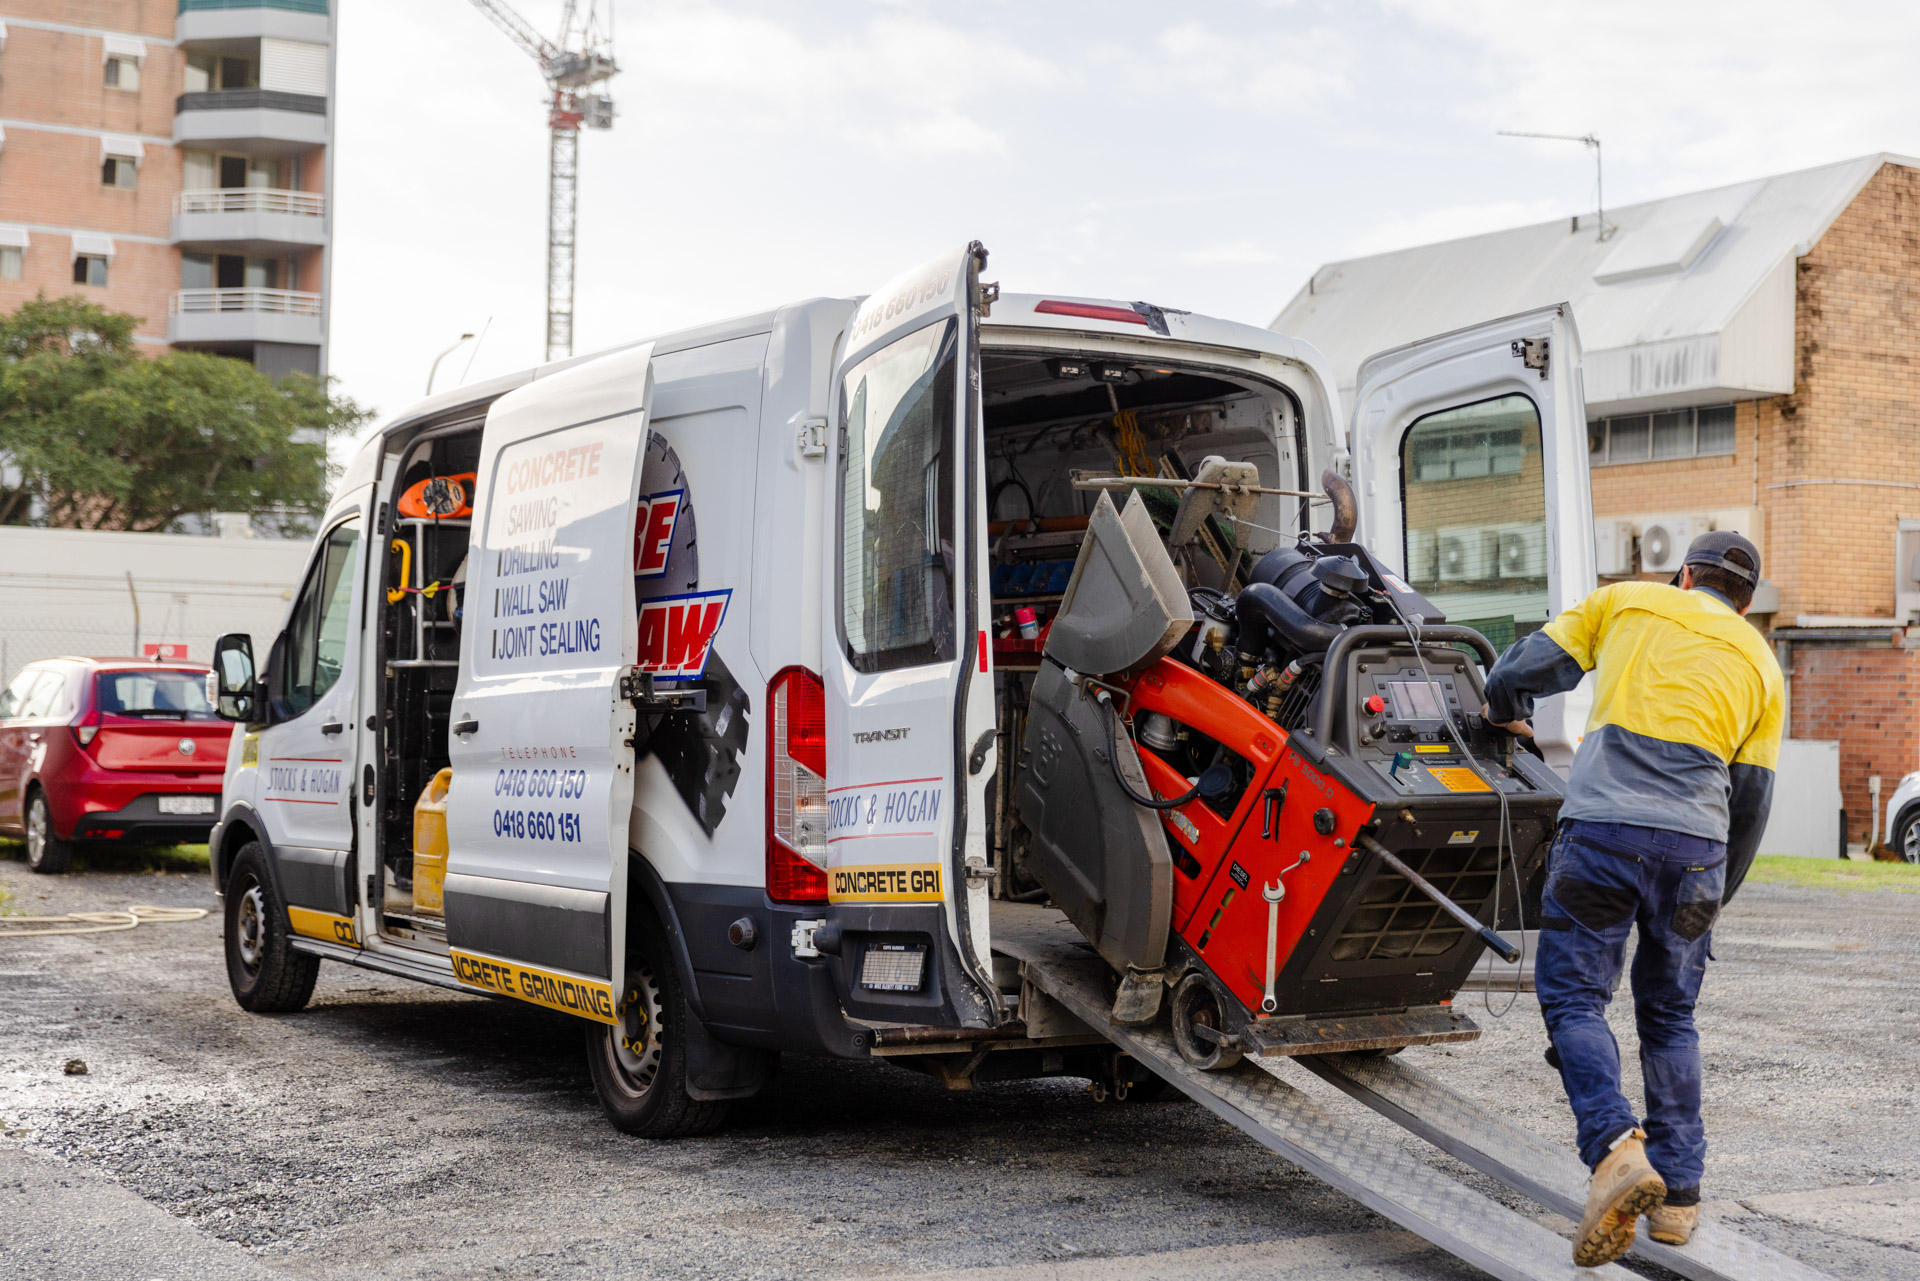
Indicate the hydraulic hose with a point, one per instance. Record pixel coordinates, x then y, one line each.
1264 612
1113 759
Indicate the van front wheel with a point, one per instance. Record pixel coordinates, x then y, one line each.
640 1064
266 974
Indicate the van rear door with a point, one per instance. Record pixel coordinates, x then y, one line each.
1470 465
542 739
909 692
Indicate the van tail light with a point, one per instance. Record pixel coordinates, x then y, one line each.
797 788
1090 311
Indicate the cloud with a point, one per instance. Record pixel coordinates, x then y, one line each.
1239 253
1449 222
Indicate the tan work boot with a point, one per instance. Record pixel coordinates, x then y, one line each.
1672 1224
1623 1188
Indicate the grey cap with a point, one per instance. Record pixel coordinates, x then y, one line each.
1712 549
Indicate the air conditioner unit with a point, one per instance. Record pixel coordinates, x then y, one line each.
1750 521
1463 553
1906 572
1613 548
1520 550
1664 540
1422 546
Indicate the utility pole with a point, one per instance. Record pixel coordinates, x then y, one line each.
1599 188
576 67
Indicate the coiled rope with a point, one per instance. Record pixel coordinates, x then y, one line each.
97 922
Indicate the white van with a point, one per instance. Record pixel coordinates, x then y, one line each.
724 639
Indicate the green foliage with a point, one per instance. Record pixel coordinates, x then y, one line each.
1835 874
108 439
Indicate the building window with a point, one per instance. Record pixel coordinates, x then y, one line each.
90 269
208 71
118 171
1676 433
123 73
11 260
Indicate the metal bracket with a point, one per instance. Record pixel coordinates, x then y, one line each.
813 438
639 689
802 938
1533 351
988 294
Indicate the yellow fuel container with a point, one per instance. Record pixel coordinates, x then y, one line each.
430 846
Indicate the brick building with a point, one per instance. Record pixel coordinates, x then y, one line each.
173 159
1750 358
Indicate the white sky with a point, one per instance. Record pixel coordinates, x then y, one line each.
1201 156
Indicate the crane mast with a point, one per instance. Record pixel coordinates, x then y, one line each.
576 67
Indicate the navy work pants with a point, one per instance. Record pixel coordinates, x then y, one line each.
1602 880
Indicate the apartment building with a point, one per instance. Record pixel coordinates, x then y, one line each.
173 159
1752 361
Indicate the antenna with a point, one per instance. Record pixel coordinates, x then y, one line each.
1599 187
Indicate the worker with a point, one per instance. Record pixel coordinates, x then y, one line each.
1665 805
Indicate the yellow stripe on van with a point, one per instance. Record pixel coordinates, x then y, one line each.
324 926
555 989
885 883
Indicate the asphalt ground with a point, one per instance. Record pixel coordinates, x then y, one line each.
398 1131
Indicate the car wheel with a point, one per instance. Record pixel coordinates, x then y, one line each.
640 1065
266 974
45 852
1906 836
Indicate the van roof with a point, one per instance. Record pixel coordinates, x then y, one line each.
1010 311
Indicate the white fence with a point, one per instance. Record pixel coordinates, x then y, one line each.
66 591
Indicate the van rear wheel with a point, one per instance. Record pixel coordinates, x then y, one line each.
640 1064
266 974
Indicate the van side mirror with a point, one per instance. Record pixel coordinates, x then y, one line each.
232 687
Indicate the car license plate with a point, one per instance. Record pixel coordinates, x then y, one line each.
186 805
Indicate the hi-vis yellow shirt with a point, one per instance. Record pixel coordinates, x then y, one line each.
1679 666
1688 710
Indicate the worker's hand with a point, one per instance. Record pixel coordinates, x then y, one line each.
1523 728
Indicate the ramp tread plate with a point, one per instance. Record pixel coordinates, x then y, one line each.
1379 1175
1537 1168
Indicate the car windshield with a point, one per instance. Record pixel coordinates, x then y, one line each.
179 695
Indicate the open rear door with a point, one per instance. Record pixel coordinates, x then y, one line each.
909 693
542 739
1470 464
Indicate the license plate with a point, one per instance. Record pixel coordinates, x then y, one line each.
186 805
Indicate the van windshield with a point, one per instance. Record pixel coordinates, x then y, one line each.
896 503
161 695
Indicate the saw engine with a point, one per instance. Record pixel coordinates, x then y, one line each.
1287 810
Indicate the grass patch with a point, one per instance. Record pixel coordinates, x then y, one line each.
105 856
1836 874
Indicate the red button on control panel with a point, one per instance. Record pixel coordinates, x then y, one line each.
1375 705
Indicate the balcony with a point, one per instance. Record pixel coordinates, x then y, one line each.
259 120
210 316
240 19
261 220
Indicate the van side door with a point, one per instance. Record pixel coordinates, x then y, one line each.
1470 467
541 741
908 685
307 753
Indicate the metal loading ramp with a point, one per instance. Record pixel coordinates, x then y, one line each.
1381 1176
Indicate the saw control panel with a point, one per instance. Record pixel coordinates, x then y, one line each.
1398 719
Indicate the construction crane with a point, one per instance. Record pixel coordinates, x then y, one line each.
577 67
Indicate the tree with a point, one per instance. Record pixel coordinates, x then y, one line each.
105 438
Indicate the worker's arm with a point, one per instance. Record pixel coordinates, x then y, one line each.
1750 791
1549 661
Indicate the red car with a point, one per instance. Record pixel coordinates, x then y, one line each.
108 749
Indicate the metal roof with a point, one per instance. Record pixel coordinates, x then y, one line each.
1689 299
